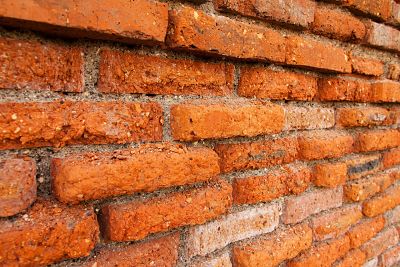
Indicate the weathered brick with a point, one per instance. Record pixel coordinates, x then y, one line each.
117 19
371 263
329 174
393 216
223 260
272 249
40 66
380 204
309 117
267 83
194 122
300 207
383 36
236 226
394 72
48 233
37 124
342 89
316 55
89 176
391 158
378 140
138 219
337 24
365 230
380 9
362 165
364 116
256 155
395 12
195 30
287 180
385 91
354 258
367 66
323 254
334 223
324 144
380 243
390 257
17 185
132 73
157 252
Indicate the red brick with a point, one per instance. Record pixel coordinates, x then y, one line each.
378 140
365 230
279 85
195 30
382 203
233 227
338 24
316 55
287 180
394 72
309 117
341 89
223 260
364 116
391 158
36 66
385 91
17 185
256 155
132 73
324 144
37 124
203 121
148 168
380 9
138 219
117 19
323 254
362 165
380 243
300 207
329 174
334 223
272 249
390 257
383 36
354 258
367 66
48 233
157 252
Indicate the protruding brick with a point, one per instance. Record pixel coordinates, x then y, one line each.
380 9
236 226
195 30
329 174
380 243
334 223
367 66
391 158
341 89
316 55
117 19
37 124
194 122
272 249
365 230
223 260
132 73
17 185
324 144
36 66
364 116
380 204
385 91
362 165
256 155
288 180
267 83
378 140
300 207
309 117
383 36
48 233
354 258
390 257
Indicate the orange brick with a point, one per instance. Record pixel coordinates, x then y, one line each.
308 117
385 91
381 242
288 180
256 155
391 158
362 189
267 83
367 66
300 207
383 36
378 140
117 19
390 257
365 230
324 254
329 174
355 258
380 9
132 73
272 249
334 223
37 124
138 219
99 175
362 165
17 185
316 55
380 204
35 66
194 122
394 72
364 116
48 233
341 89
324 144
195 30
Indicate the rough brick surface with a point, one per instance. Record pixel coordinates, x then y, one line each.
222 260
393 216
391 257
272 249
329 174
309 118
394 72
391 158
136 220
115 19
133 73
383 36
365 230
380 204
35 66
148 168
341 89
380 243
380 9
385 91
48 233
354 258
367 66
57 123
378 140
364 116
193 122
360 166
17 185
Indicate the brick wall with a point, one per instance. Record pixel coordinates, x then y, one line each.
200 133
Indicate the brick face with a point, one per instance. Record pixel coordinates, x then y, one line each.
367 66
379 9
329 174
382 203
380 243
378 140
354 258
360 166
365 230
391 158
357 117
309 118
341 89
383 36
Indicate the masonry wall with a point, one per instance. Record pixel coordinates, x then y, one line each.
200 133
